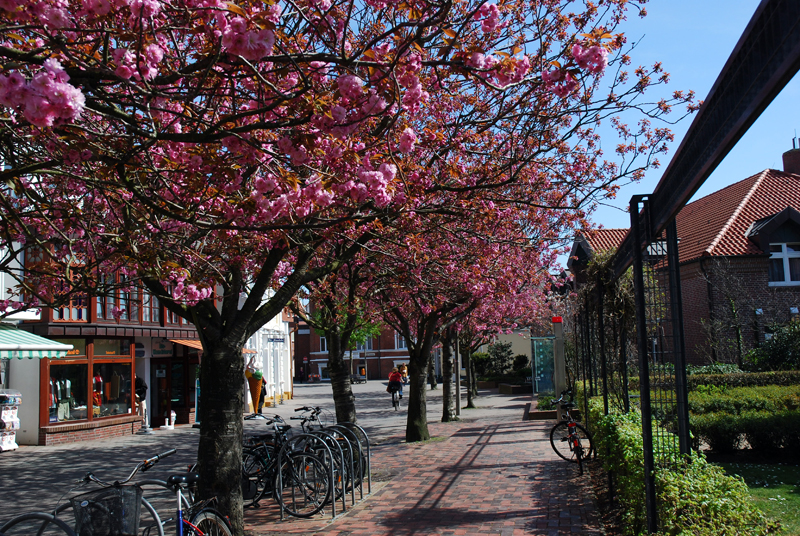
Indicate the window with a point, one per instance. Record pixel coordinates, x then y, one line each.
784 264
151 309
323 344
400 342
124 301
366 345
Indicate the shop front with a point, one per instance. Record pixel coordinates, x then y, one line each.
85 394
15 343
173 382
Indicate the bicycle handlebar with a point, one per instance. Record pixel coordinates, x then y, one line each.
141 466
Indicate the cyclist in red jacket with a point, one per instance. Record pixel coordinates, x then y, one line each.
395 382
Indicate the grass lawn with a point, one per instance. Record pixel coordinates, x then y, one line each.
775 488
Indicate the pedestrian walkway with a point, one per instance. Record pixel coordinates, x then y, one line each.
489 474
471 479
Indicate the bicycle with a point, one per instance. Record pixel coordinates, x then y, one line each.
301 487
310 419
569 439
36 523
115 508
395 397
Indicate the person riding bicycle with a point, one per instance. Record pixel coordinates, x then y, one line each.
395 382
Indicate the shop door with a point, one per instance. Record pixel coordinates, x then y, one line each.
160 379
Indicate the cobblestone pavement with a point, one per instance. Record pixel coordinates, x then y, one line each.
472 479
490 474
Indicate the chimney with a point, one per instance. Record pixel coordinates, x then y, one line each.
791 159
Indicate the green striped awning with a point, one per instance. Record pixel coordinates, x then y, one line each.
17 343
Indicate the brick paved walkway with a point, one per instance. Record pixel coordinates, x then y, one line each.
473 479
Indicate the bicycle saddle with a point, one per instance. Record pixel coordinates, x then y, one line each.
183 478
569 405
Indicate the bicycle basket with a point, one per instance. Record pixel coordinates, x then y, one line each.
112 511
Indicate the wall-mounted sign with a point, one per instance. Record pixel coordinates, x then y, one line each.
162 348
161 373
275 339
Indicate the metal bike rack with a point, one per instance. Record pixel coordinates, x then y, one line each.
363 440
353 442
335 448
293 444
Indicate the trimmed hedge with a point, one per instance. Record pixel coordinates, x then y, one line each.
697 499
764 431
742 379
737 400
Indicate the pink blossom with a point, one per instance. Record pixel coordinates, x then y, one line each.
273 13
491 17
338 113
594 59
374 105
250 44
408 140
97 8
476 60
351 87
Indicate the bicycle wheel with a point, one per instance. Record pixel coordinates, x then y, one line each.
578 450
559 440
304 486
149 520
255 470
209 523
36 524
395 400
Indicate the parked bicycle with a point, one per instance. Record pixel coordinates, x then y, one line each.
117 508
569 439
302 486
36 523
313 418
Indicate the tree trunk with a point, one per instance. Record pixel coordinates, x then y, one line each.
343 398
448 407
472 384
417 423
219 454
432 371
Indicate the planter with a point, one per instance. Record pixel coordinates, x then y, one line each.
510 389
487 385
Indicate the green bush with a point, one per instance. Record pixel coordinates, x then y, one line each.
695 499
701 500
480 361
735 400
744 379
716 368
781 352
719 431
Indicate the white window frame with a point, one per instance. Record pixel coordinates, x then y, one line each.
400 342
323 344
365 346
784 255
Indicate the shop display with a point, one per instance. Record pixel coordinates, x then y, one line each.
67 393
9 421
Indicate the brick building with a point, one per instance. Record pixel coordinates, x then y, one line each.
375 358
739 253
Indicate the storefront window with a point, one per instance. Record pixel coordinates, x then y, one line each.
111 347
67 392
111 389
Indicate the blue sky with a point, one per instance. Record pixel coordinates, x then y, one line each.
693 39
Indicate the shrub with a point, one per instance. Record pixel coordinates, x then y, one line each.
701 500
716 368
480 361
501 357
744 379
781 352
718 430
696 498
521 361
714 399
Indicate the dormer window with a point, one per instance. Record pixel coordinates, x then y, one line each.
784 264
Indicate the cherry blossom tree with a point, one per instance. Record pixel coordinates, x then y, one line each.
207 151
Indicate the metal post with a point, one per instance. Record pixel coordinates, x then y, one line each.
644 366
458 378
601 332
679 347
559 360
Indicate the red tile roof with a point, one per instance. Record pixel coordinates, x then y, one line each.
717 223
602 239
